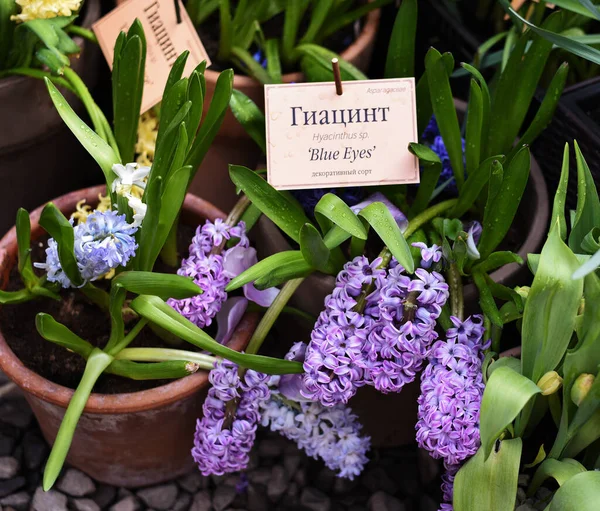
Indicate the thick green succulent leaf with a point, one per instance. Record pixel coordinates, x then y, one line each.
59 228
587 214
164 285
158 312
313 248
128 86
442 102
383 223
96 364
400 61
570 44
495 479
558 220
550 309
580 493
273 204
474 185
334 209
432 168
212 122
250 117
503 205
290 262
505 395
94 144
561 471
56 332
316 64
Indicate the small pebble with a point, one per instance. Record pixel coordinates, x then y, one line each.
7 444
257 499
15 412
9 486
260 476
381 501
202 501
49 500
183 502
278 483
18 501
35 450
193 481
104 495
76 483
223 497
159 497
127 504
9 467
315 500
85 505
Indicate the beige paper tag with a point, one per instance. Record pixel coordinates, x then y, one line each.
316 138
165 38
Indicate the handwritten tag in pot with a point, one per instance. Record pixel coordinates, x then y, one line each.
316 138
166 39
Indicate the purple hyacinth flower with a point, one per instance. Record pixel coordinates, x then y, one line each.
212 272
226 433
229 317
451 391
329 433
429 255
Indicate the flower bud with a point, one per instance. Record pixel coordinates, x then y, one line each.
581 387
523 291
550 383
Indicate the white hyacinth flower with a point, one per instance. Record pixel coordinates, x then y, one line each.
128 176
139 209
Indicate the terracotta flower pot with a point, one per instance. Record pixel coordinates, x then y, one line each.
39 156
133 439
233 145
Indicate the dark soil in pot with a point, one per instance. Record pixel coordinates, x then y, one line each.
17 323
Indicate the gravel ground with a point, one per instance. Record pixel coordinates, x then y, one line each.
280 477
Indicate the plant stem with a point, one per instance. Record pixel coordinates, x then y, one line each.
95 366
456 292
386 257
237 211
272 314
429 214
96 295
83 32
40 75
128 339
168 253
163 354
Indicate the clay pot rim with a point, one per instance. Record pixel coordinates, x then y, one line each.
367 33
92 13
48 391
